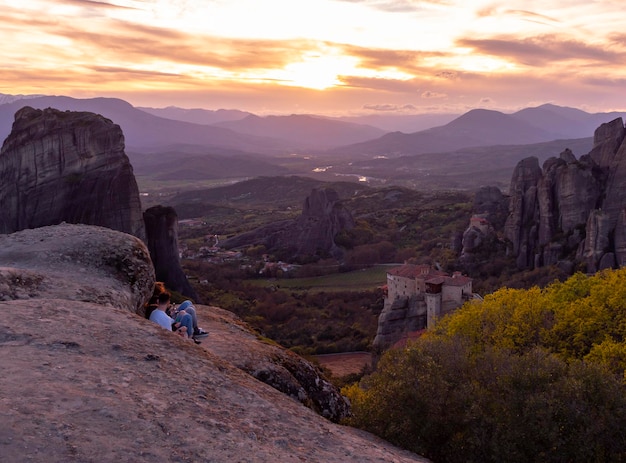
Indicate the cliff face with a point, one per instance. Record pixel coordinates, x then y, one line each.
313 233
572 209
67 167
162 239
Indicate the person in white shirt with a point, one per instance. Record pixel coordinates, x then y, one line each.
184 325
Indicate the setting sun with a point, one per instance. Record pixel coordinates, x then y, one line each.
315 71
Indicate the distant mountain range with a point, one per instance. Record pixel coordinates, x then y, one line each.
481 127
175 143
196 115
146 132
305 131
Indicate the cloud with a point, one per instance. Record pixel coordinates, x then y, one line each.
543 50
449 75
384 58
135 44
431 95
389 107
397 6
531 16
387 85
97 4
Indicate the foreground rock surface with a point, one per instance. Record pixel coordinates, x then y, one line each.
85 379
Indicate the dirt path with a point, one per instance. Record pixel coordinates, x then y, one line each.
346 363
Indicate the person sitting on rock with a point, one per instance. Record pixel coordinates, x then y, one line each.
184 324
188 307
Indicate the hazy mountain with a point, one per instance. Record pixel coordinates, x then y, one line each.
480 127
408 123
565 122
143 131
146 132
4 98
197 115
305 130
466 168
178 165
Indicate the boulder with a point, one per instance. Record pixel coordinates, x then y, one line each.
76 262
70 167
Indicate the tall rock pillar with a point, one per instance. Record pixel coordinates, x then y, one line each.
162 239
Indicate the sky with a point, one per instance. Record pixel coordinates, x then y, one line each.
334 57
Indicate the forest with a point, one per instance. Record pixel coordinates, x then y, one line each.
526 375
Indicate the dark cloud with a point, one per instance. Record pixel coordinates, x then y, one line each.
430 95
132 72
96 4
450 75
389 107
542 50
411 61
495 11
387 85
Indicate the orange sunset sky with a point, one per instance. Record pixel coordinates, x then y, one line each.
319 56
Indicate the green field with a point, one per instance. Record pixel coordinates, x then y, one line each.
358 280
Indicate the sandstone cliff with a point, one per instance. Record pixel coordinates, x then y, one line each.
489 214
67 167
572 211
313 233
162 239
85 378
71 167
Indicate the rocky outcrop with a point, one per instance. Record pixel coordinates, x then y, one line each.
398 318
571 209
67 167
235 342
78 263
312 234
85 378
162 238
489 213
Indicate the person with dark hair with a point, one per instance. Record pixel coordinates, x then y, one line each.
183 324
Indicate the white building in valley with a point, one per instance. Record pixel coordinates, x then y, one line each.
440 292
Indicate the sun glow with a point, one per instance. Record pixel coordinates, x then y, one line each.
315 71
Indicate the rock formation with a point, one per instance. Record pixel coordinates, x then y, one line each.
489 213
571 209
67 167
162 239
90 379
313 233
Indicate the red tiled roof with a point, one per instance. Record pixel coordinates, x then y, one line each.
428 274
457 281
414 271
435 280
